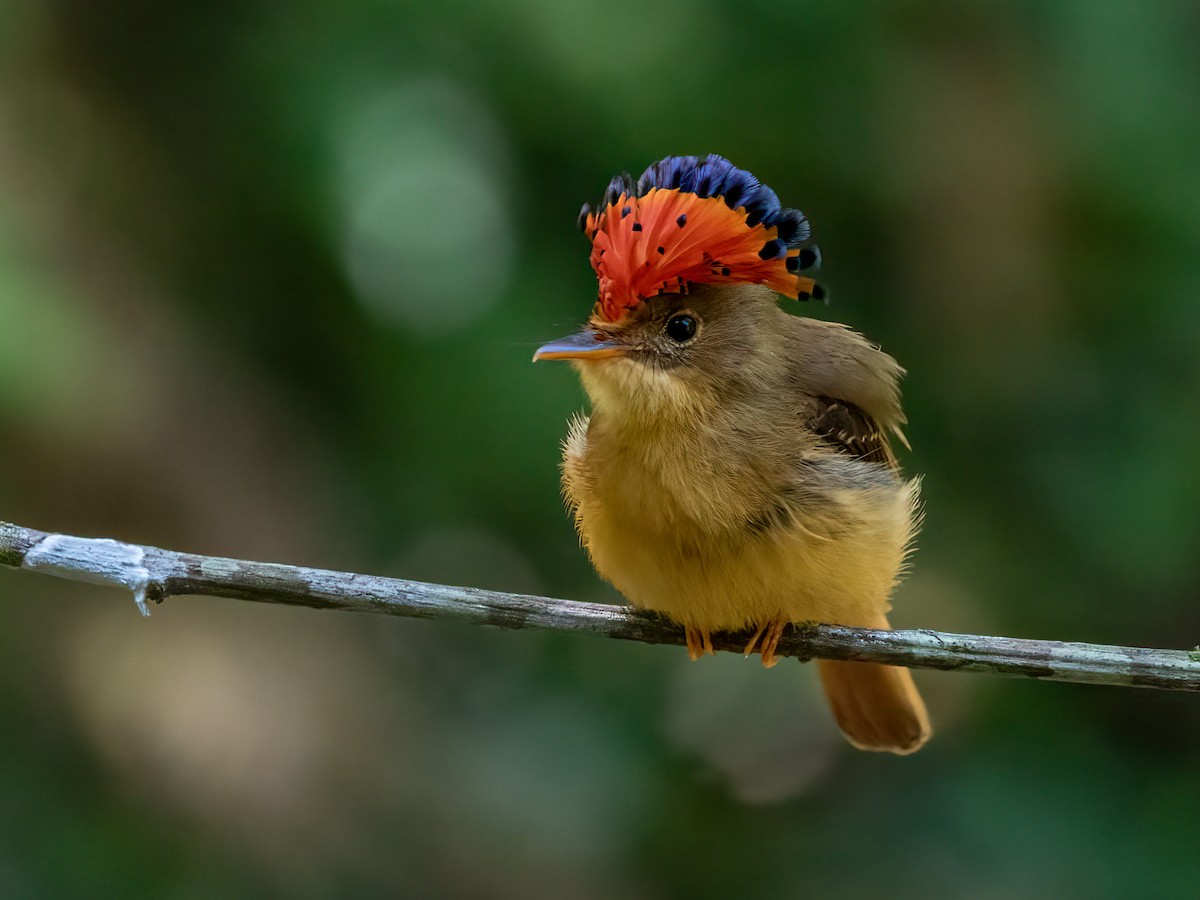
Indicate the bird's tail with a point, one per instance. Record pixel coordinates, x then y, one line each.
876 706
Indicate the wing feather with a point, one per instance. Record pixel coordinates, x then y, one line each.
847 429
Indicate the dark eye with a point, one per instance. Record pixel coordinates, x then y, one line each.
681 327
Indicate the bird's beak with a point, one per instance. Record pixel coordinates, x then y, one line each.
587 344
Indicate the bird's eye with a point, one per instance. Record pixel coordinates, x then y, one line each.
681 327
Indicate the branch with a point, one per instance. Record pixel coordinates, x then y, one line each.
153 575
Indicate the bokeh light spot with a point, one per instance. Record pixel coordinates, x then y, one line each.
428 241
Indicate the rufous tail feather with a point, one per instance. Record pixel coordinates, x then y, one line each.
877 707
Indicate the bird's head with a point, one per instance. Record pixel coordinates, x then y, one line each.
689 261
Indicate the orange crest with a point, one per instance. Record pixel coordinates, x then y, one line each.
691 221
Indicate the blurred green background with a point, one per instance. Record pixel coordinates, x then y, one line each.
270 280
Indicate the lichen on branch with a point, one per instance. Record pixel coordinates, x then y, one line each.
153 575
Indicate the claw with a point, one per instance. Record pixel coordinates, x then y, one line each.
771 641
699 642
773 631
754 640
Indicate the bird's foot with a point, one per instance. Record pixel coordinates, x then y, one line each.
699 642
754 640
770 633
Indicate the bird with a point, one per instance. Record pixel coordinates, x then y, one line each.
736 471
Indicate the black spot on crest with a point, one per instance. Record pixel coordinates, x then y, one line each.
809 257
772 250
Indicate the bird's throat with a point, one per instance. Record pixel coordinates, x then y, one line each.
638 398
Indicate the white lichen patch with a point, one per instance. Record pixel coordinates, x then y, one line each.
94 560
1078 662
215 567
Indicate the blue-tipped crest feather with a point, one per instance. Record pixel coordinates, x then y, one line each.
715 176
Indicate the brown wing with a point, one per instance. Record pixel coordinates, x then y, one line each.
848 429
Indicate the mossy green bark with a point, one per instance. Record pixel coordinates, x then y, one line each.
12 544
